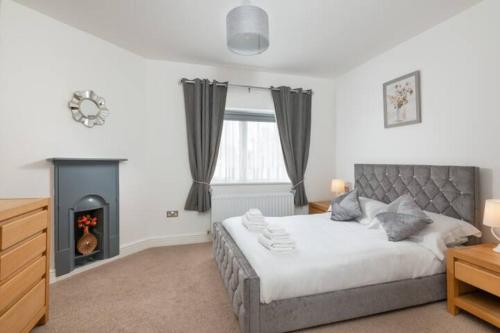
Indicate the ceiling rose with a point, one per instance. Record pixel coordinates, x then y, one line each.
247 30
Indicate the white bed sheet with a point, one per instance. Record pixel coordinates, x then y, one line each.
330 256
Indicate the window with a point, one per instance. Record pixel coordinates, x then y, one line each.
250 149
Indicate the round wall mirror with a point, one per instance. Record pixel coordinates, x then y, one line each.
88 108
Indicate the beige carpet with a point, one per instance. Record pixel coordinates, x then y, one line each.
178 289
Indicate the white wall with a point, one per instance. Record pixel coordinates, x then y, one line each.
460 71
43 61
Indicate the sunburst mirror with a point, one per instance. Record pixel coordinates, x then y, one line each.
88 108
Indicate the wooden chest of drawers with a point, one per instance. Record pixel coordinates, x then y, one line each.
24 263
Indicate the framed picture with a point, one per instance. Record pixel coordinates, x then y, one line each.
402 101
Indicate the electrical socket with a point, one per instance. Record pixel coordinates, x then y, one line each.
172 213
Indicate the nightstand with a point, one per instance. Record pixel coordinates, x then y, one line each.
318 207
473 278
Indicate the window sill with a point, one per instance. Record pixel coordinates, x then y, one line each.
251 183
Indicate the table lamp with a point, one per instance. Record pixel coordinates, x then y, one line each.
337 186
491 218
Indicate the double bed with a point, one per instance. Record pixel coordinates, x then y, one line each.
343 270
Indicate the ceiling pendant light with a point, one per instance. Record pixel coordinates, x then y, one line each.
247 30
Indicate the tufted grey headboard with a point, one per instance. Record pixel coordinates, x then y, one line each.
447 190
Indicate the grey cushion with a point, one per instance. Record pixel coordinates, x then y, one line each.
346 207
402 219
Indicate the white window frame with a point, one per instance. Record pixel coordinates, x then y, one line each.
243 116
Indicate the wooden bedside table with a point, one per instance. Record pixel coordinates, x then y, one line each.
317 207
473 278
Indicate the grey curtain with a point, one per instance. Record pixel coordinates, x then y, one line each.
204 102
293 117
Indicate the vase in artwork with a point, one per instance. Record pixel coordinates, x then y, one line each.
400 114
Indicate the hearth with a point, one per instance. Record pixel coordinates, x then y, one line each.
86 200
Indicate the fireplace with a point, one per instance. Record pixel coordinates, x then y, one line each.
86 200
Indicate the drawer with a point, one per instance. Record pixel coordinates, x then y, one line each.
21 228
478 277
17 257
20 283
19 316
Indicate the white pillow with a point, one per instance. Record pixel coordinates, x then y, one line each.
443 233
370 208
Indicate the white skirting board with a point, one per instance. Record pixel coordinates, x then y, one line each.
134 247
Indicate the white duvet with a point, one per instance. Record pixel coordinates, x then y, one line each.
330 256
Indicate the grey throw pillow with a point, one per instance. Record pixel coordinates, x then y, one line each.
346 207
402 219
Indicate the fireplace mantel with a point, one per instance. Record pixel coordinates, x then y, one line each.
85 185
77 159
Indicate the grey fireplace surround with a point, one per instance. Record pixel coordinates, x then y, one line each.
82 185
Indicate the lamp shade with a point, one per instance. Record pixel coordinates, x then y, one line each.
491 216
247 30
337 186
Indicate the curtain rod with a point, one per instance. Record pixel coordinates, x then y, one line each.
249 87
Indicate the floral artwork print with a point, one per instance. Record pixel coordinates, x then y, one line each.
402 101
402 93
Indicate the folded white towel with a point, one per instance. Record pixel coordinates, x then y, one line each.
254 225
276 229
254 212
275 236
254 228
254 222
255 218
289 243
274 247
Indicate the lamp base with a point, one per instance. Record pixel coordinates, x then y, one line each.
496 249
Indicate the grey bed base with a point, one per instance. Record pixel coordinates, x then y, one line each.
243 287
448 190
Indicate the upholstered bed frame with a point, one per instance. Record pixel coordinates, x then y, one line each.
448 190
